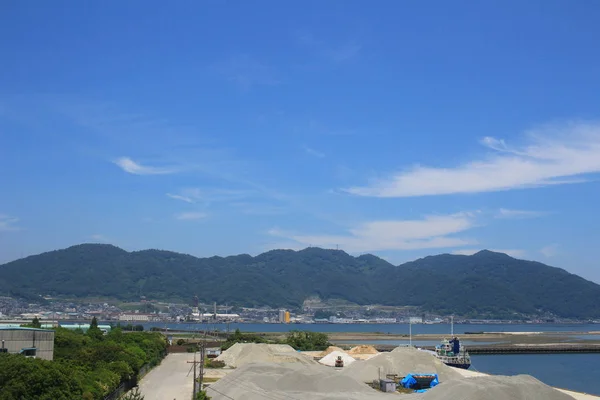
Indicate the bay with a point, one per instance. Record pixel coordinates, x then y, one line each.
578 372
382 328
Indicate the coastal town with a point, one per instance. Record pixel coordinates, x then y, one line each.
146 311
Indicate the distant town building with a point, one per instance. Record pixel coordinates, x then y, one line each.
282 316
286 317
138 317
416 320
30 342
84 327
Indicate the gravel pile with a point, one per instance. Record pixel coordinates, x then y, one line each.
401 361
330 358
363 349
520 387
330 349
290 381
244 353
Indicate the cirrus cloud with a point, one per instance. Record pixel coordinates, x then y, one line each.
553 156
8 223
132 167
434 231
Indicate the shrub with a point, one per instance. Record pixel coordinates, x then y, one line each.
211 363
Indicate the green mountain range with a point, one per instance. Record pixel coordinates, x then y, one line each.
484 284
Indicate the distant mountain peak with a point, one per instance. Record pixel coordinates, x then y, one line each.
487 253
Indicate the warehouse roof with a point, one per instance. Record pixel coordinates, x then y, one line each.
22 328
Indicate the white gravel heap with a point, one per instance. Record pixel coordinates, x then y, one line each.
243 353
291 381
401 361
520 387
330 358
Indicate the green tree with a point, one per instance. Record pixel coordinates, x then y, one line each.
94 332
133 394
307 341
201 395
36 323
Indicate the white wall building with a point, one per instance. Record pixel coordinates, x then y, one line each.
136 317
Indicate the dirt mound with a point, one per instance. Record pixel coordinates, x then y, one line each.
290 381
363 349
401 361
329 350
520 387
330 359
244 353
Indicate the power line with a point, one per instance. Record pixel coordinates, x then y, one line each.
221 393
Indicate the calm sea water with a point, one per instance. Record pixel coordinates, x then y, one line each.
384 328
577 372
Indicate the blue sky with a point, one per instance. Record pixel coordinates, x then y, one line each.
403 129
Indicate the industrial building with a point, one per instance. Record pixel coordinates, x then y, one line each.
84 327
284 316
30 342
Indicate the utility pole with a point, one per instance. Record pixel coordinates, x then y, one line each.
195 387
202 360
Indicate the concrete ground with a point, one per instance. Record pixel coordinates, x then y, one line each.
170 379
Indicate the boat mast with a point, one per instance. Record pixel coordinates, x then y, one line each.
452 325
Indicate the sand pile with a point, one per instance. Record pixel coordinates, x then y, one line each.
520 387
330 358
363 349
330 349
401 361
290 381
244 353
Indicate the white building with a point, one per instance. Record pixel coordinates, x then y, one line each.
138 317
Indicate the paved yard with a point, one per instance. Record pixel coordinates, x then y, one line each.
169 380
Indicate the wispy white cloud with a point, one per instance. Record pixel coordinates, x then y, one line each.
553 156
128 165
519 214
8 223
247 71
430 232
549 251
100 238
189 216
313 152
180 197
516 253
210 195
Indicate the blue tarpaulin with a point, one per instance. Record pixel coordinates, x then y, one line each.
410 382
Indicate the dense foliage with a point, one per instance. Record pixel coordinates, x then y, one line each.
484 284
239 337
307 341
85 366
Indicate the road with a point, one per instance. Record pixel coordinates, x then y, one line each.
169 380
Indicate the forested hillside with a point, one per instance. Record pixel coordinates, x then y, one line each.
485 283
